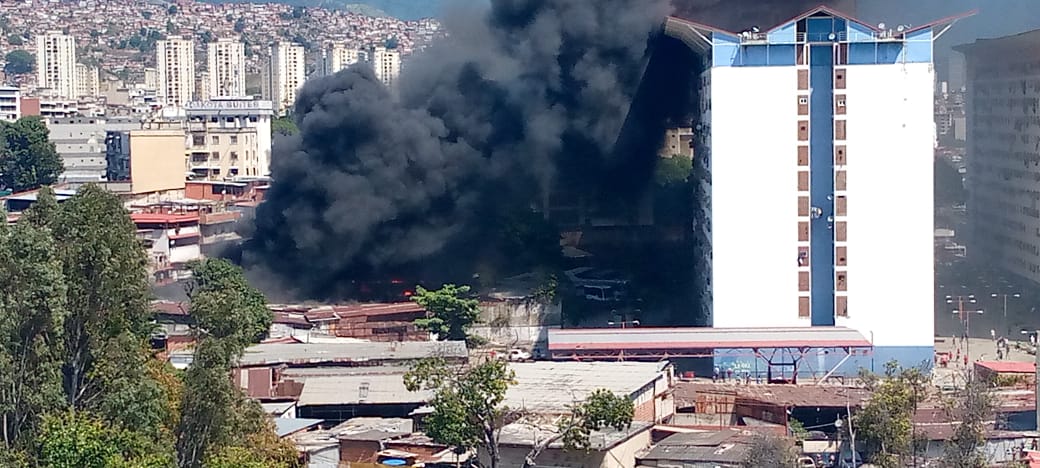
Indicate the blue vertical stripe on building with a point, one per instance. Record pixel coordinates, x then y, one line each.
821 182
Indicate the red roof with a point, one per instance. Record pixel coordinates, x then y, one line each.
362 310
1010 367
152 218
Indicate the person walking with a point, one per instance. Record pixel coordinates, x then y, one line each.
993 334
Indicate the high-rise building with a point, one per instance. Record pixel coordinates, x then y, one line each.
1003 152
229 137
387 65
151 78
338 57
287 74
815 143
80 141
175 66
87 81
56 64
227 68
203 90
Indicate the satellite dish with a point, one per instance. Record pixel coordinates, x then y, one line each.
881 26
754 29
901 28
831 37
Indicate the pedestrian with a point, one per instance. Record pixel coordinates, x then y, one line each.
747 378
715 375
993 334
729 374
1000 353
965 360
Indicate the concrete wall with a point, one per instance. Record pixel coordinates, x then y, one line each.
890 204
754 223
156 160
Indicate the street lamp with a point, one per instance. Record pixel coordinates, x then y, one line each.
1007 331
966 316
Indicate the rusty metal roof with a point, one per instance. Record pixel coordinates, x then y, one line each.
817 396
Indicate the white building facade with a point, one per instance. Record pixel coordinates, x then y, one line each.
229 138
175 70
88 80
815 161
337 57
10 103
227 68
56 64
287 74
1003 134
387 65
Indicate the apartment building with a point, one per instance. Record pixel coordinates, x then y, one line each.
152 160
175 70
815 160
337 57
387 65
10 103
56 64
287 74
88 81
229 137
227 68
1003 152
80 141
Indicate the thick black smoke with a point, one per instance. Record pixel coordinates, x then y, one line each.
523 97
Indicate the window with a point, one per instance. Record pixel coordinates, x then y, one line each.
198 140
803 231
803 105
215 172
803 206
839 78
839 155
841 206
803 181
234 139
215 155
215 139
804 309
802 100
842 283
840 257
839 180
803 130
803 79
839 231
803 158
234 155
253 118
839 129
803 280
839 104
841 306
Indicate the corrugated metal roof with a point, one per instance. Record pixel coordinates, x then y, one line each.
286 426
523 434
313 353
546 387
727 446
703 338
780 395
359 389
1008 366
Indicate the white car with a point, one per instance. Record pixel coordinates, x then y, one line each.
519 355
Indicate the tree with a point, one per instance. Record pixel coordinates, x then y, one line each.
219 425
172 10
32 307
225 305
19 62
71 440
972 406
15 40
240 25
672 170
283 125
768 451
448 313
27 158
885 423
468 409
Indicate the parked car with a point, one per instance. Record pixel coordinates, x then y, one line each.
519 355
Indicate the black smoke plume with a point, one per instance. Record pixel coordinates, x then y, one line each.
520 98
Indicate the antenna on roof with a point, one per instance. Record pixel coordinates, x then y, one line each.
881 26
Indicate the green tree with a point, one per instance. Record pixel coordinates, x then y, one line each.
673 170
972 406
27 158
172 10
282 125
240 25
32 307
885 423
219 425
448 313
19 62
71 440
769 451
468 409
225 305
15 40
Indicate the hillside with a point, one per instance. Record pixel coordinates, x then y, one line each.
403 9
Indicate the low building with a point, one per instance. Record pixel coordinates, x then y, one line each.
717 449
1006 373
608 448
18 202
172 240
539 384
342 397
229 137
376 322
82 144
355 441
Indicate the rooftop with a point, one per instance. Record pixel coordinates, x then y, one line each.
372 428
551 387
359 389
286 426
781 395
727 446
613 339
314 353
1011 367
524 434
163 218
